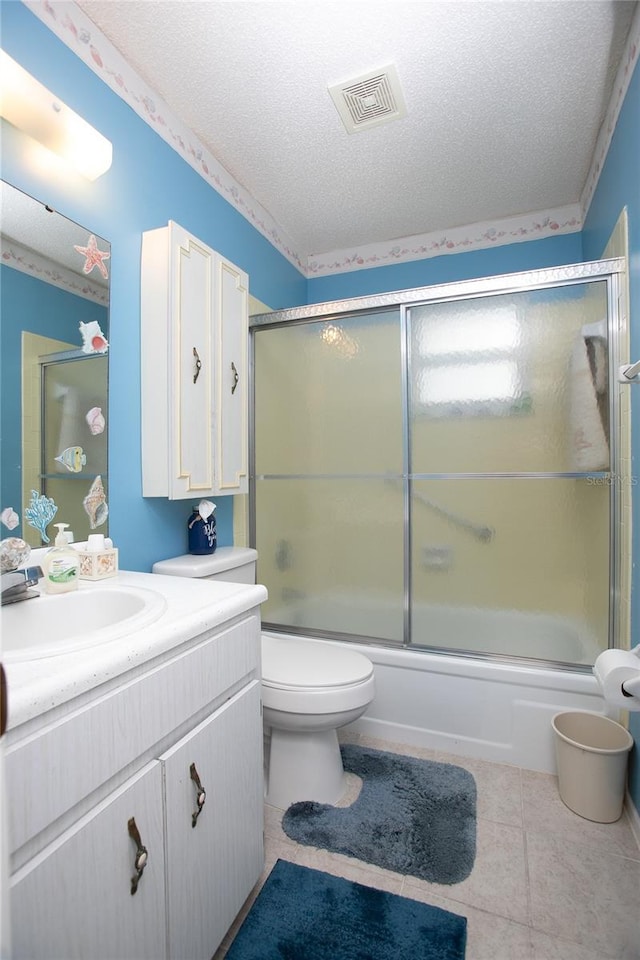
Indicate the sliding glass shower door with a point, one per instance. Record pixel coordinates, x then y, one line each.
509 454
328 455
438 473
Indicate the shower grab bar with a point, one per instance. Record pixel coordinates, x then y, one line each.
479 531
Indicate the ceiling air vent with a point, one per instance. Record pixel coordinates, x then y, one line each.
369 100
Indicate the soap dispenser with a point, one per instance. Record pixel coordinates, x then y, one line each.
61 565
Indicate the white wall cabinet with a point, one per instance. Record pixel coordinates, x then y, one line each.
71 882
194 363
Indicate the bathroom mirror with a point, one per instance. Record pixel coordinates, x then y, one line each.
54 333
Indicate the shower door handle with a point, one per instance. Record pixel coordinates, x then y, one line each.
236 377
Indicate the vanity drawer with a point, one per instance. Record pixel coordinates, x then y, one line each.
50 771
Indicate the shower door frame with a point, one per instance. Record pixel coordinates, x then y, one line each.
608 270
60 359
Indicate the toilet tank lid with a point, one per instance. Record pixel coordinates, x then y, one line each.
190 565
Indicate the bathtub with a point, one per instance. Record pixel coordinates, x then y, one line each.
472 706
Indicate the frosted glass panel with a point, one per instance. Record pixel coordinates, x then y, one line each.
513 383
518 567
71 389
331 553
476 453
328 397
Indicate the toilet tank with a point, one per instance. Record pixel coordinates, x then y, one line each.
236 564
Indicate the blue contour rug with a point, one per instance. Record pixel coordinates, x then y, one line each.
304 914
415 817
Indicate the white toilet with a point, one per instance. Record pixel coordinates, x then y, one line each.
309 690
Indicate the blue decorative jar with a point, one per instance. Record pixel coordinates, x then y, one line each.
202 533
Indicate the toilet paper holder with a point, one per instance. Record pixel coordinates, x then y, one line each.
618 674
635 687
631 688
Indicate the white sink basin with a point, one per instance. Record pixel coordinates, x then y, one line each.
50 625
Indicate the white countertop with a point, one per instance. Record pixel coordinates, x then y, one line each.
193 607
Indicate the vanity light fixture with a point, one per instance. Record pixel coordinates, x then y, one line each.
28 105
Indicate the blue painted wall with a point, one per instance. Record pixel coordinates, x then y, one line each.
530 255
618 187
29 304
147 185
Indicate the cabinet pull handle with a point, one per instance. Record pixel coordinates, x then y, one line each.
201 794
198 365
142 854
236 377
3 701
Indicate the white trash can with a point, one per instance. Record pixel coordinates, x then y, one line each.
592 753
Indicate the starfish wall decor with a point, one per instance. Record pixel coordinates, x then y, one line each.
93 256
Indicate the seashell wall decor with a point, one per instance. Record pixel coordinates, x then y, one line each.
93 339
96 421
95 504
9 518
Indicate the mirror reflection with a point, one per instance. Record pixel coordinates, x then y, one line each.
54 341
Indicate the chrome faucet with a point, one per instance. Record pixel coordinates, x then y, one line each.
15 584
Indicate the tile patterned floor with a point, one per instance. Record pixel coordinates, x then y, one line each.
546 884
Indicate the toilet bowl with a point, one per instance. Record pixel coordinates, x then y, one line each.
309 690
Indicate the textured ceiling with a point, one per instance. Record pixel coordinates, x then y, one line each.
504 99
39 229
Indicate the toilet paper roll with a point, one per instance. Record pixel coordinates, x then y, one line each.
613 668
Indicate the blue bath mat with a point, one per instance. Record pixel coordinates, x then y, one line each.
415 817
303 914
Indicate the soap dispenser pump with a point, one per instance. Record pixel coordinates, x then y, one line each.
61 565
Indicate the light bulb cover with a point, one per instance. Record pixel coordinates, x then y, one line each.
29 106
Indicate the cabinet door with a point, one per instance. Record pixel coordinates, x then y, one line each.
178 300
191 373
73 901
212 866
231 348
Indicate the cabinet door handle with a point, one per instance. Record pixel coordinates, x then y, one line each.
236 377
4 710
198 365
142 854
201 794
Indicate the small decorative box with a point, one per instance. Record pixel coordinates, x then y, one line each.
97 560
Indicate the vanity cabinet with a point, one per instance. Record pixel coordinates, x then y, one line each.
194 356
74 902
208 863
147 749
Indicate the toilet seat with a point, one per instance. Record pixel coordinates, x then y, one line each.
304 677
298 664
